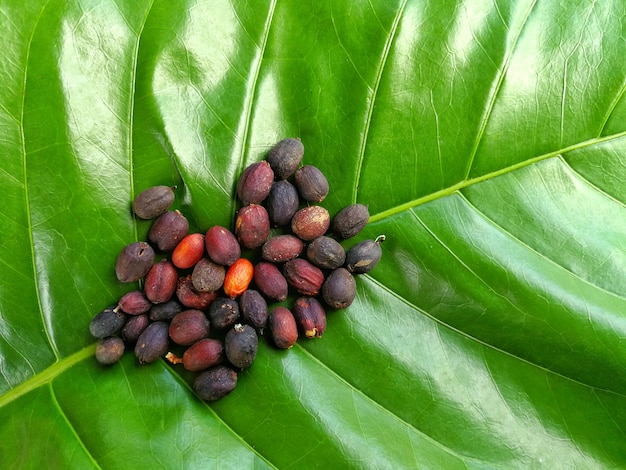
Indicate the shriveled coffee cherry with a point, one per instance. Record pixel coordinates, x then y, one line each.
311 183
223 313
161 282
168 230
109 350
285 157
190 297
134 302
107 323
207 352
207 276
222 245
252 226
303 276
310 222
152 343
188 251
270 281
326 253
238 277
310 316
282 203
364 256
339 289
152 202
283 327
134 262
165 311
253 309
255 183
134 327
282 248
215 383
240 345
188 327
350 220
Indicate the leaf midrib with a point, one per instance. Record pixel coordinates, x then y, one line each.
387 213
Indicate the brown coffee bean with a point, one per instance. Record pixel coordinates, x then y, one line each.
270 281
283 327
215 383
134 303
152 202
252 226
310 222
282 203
161 281
285 157
255 183
282 248
364 256
188 327
168 230
326 253
134 262
134 327
207 276
109 350
311 183
253 308
339 289
350 220
207 352
222 245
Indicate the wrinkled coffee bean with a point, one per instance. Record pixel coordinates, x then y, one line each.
282 248
109 350
283 327
270 281
168 230
303 276
134 262
310 222
253 309
238 277
207 352
252 226
134 303
364 256
282 203
161 281
240 345
222 245
190 297
215 383
326 253
311 183
152 202
255 183
350 220
223 313
107 323
188 327
310 316
339 289
152 343
285 157
207 276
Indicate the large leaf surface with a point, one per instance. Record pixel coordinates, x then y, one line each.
487 138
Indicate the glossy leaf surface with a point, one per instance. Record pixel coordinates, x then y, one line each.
488 140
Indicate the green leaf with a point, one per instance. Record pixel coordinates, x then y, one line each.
489 141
